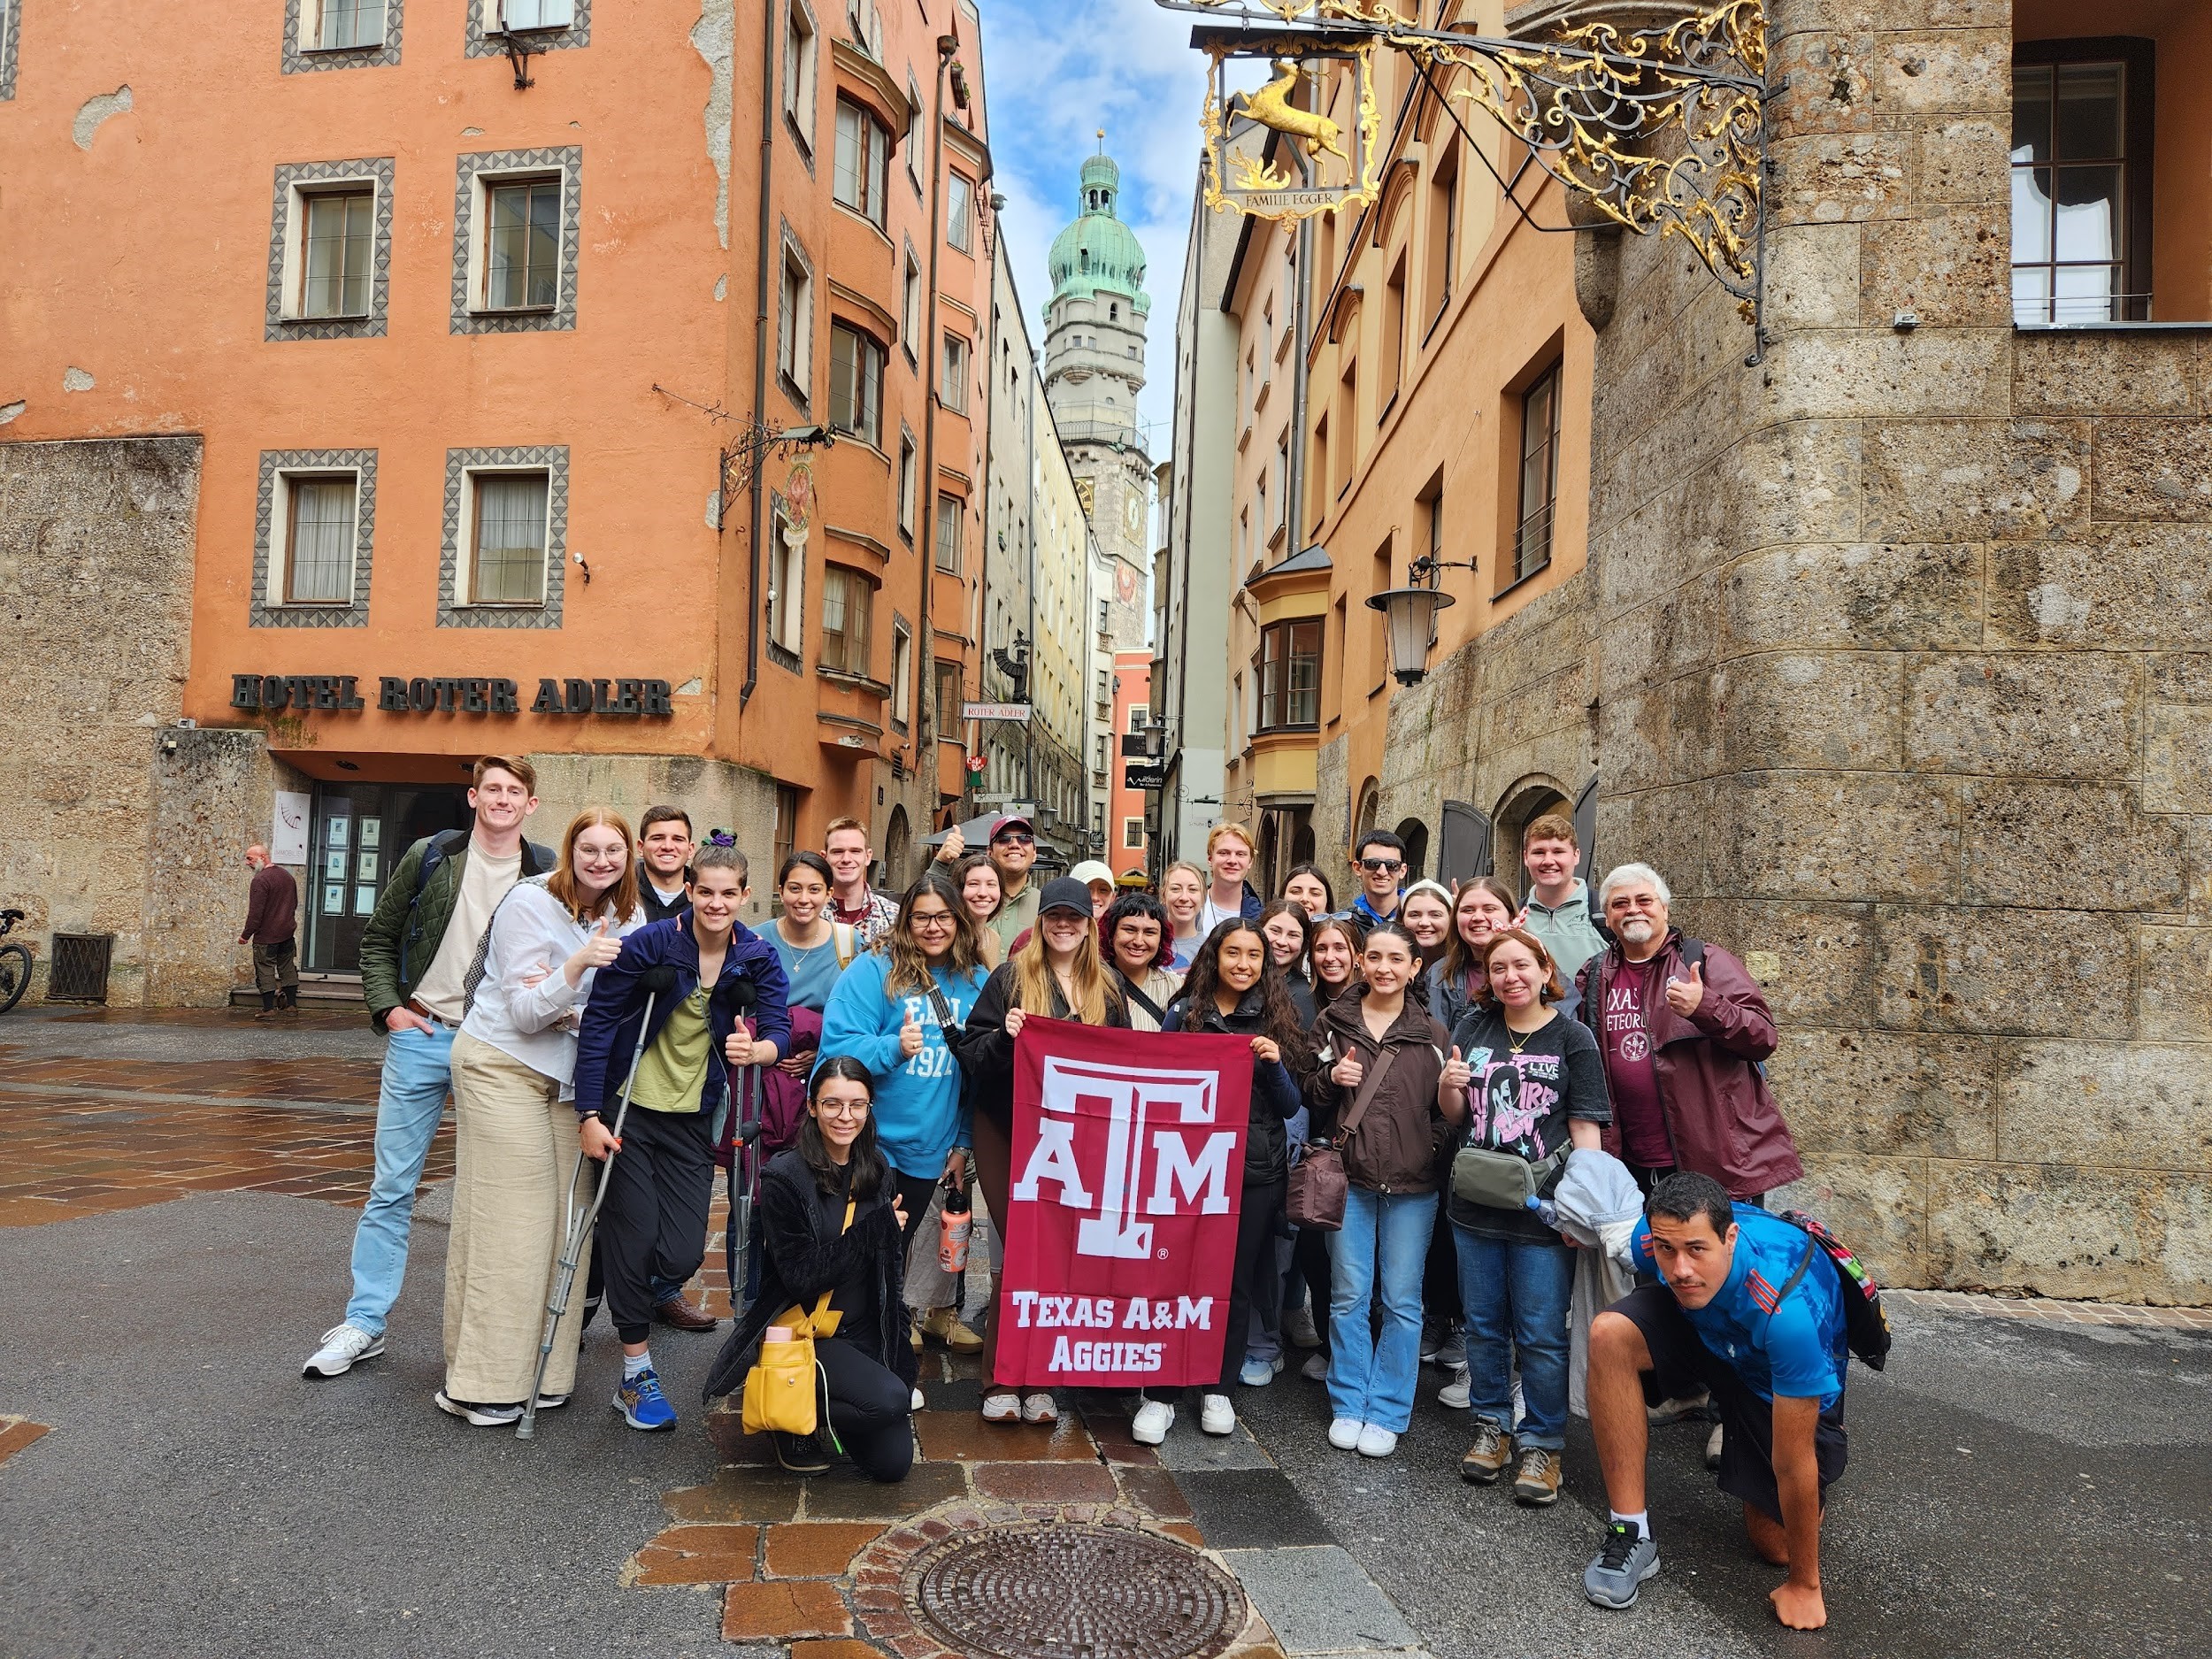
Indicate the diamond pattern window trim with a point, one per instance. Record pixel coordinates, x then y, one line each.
268 535
300 58
467 259
459 533
300 177
10 24
484 41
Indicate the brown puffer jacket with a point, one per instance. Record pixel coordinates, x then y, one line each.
1720 1113
1399 1146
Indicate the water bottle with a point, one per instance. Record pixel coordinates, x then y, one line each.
1546 1211
955 1221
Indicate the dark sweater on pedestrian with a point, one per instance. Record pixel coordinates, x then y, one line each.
804 1253
272 906
1399 1144
1275 1096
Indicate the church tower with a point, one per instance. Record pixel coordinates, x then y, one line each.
1094 326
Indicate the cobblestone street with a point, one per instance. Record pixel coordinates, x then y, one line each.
173 1233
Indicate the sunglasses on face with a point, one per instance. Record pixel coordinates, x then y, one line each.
1016 838
1379 866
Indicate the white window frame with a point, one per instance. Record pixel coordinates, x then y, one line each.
960 221
786 583
1132 834
872 439
902 673
914 134
532 14
800 69
794 333
860 595
873 172
279 567
952 385
464 549
482 175
910 307
909 480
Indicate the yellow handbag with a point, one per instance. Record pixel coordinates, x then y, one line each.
781 1391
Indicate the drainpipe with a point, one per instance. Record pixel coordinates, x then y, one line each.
1029 681
932 352
758 507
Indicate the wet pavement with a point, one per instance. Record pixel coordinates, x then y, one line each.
173 1236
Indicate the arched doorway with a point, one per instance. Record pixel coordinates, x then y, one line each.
1415 835
1526 800
898 848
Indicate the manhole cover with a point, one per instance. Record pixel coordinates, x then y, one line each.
1070 1590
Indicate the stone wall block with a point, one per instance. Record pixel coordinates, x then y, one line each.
1633 737
1333 808
213 794
1976 478
2107 588
2069 714
1828 178
2065 371
1825 82
2177 758
1668 828
2186 1254
1641 555
1814 710
1949 269
1836 836
1695 737
2153 469
1812 276
1872 1094
1823 954
2088 846
2047 1230
1951 970
1921 596
1962 71
2173 996
1962 160
1930 371
1790 17
1656 641
1800 482
1878 1203
2110 1104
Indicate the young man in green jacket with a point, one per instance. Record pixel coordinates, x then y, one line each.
414 953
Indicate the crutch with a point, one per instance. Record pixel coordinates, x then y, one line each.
579 1229
737 1228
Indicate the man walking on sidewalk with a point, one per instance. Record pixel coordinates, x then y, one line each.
272 907
415 952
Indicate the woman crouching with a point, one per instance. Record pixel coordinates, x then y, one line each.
809 1244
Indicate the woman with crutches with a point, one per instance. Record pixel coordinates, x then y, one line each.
513 1062
653 1221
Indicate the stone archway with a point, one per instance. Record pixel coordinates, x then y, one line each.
1527 799
898 851
1415 835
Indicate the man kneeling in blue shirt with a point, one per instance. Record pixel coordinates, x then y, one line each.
1750 1308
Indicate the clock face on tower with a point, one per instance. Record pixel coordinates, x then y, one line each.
1133 514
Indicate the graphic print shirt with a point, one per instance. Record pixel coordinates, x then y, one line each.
1521 1103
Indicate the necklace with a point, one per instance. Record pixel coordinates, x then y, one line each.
1520 1040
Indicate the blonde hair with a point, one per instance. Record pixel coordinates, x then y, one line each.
1230 826
1095 993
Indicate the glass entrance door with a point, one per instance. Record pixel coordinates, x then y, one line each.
360 832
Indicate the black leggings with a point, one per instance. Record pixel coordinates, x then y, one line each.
1249 1275
654 1223
868 1410
1309 1257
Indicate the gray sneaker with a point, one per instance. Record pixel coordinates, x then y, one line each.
1626 1561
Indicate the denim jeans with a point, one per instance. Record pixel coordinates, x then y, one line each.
409 1099
1379 1253
1517 1297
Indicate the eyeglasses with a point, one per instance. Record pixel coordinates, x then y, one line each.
930 919
841 1109
1013 839
1379 866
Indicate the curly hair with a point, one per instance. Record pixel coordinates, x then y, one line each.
1279 1014
910 968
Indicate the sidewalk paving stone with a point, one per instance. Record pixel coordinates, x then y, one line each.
781 1610
17 1433
818 1549
696 1554
1321 1601
1251 1508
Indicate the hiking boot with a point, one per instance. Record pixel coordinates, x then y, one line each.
801 1454
482 1417
344 1347
643 1405
944 1325
1487 1458
679 1315
1626 1561
1536 1483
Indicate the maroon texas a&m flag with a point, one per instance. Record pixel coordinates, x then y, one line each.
1127 1178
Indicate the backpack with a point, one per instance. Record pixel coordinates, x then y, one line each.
1865 1326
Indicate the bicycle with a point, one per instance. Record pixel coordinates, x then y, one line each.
15 963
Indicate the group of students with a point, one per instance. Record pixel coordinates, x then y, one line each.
548 986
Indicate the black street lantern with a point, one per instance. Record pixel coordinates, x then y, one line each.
1411 614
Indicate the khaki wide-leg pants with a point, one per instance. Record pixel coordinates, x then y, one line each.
514 1151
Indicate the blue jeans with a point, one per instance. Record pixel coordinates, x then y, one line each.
1517 1297
1379 1252
409 1099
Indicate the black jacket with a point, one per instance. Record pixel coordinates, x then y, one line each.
800 1256
655 911
1275 1095
986 1052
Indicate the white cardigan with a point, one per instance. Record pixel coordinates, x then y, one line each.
535 1023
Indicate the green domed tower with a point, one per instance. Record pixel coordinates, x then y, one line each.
1093 367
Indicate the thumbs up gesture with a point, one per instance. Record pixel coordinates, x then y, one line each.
910 1035
595 952
1458 1073
1684 996
1349 1072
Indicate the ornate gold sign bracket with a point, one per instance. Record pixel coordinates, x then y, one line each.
1660 131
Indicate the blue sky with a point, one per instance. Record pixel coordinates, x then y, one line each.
1056 72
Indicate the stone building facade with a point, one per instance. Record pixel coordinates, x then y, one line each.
1893 655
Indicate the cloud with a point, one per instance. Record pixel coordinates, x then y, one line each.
1056 72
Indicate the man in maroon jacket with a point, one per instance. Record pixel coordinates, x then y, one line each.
272 903
1684 1030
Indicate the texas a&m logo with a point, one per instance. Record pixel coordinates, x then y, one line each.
1124 1143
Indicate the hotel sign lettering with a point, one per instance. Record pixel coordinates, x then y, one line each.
462 693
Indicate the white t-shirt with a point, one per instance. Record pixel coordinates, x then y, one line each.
1211 915
484 882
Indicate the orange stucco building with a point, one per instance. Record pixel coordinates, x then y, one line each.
1127 846
477 343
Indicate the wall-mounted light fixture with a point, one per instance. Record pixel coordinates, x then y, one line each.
1410 615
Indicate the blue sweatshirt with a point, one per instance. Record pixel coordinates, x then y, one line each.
918 1111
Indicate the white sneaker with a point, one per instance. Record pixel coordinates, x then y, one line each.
1712 1447
1217 1416
1345 1432
1039 1408
344 1347
482 1417
1298 1327
1315 1369
1374 1442
1457 1393
1154 1419
914 1404
551 1402
1005 1406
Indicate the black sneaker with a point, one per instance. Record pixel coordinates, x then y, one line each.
801 1454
